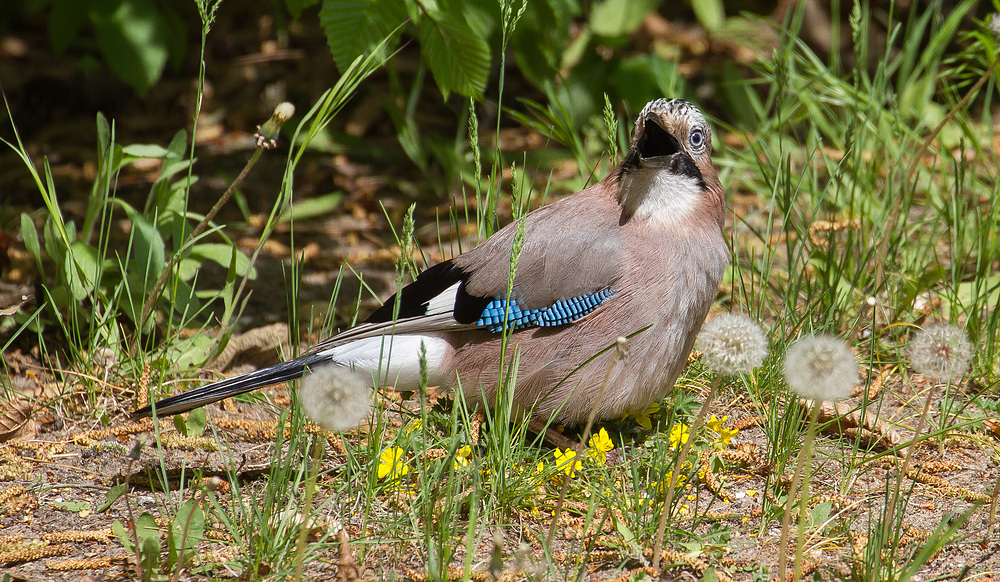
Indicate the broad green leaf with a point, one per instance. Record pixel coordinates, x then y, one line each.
65 20
355 28
619 17
190 352
196 422
311 207
53 242
193 425
148 534
103 137
145 151
223 255
710 13
541 37
87 268
124 536
30 236
295 7
456 53
148 252
74 506
113 494
178 145
186 529
133 37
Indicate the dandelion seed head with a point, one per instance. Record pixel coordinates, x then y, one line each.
941 352
821 367
732 343
994 24
334 397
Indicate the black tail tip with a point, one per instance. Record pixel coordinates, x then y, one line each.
144 412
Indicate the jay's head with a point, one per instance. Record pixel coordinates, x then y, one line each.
668 172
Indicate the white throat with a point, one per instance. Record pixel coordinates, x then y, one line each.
659 196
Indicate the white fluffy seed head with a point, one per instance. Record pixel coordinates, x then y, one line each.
732 343
941 352
821 367
335 397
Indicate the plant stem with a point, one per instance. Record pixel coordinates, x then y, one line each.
675 473
786 518
147 307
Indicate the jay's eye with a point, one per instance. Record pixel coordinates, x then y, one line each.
697 139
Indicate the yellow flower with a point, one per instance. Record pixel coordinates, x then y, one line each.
391 465
539 473
727 434
645 418
462 457
679 435
567 462
415 425
600 444
716 424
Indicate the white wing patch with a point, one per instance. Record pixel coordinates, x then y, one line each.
394 360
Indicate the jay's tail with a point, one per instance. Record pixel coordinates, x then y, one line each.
277 374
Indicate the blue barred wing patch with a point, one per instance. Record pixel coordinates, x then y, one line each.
559 313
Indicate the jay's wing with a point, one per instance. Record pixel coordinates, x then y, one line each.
569 263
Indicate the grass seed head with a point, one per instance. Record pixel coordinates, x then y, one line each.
941 352
732 343
821 367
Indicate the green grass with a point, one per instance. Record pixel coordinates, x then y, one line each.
861 219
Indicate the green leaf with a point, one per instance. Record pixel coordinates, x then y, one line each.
123 536
30 236
541 37
453 44
223 255
295 7
148 250
197 420
710 13
133 38
187 528
619 17
193 425
74 506
148 534
65 20
192 518
311 207
145 151
84 271
113 494
190 352
103 138
355 28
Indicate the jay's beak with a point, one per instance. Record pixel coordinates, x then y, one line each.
656 148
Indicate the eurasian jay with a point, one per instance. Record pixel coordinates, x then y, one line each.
638 255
